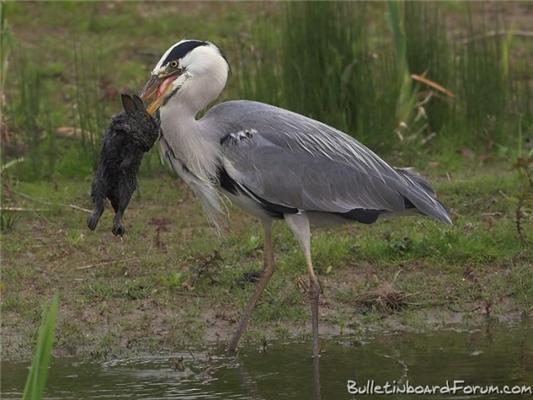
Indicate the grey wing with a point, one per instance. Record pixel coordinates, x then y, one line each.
296 162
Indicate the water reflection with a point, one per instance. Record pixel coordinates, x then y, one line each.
496 355
316 378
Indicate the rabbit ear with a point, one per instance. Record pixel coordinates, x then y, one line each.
128 104
138 103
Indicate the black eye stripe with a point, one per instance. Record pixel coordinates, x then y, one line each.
182 49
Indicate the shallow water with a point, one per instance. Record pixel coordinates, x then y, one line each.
493 356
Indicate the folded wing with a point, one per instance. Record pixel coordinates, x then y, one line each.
297 162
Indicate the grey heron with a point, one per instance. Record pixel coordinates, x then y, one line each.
271 162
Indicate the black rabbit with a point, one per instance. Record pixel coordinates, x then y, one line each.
131 133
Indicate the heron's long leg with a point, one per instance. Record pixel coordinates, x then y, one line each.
266 274
299 224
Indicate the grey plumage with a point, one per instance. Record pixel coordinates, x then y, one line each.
294 161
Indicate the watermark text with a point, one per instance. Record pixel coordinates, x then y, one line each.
457 386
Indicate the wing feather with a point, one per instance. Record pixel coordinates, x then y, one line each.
294 161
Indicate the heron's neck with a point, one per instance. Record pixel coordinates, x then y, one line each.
195 95
184 133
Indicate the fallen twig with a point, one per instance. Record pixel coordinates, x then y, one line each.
432 84
491 214
106 262
73 206
2 209
10 164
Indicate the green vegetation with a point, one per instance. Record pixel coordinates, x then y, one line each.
463 120
347 64
36 381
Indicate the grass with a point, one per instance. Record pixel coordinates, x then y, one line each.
69 79
347 64
35 384
185 287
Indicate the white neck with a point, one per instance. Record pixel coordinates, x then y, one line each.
195 95
180 128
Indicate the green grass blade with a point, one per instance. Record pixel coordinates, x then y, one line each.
39 368
395 23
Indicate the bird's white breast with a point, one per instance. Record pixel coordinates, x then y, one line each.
194 158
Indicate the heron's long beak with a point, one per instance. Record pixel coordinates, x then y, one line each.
155 90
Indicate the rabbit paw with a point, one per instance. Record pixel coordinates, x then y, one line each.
118 230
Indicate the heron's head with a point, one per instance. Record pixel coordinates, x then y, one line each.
185 61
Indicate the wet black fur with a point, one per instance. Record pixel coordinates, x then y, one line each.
130 134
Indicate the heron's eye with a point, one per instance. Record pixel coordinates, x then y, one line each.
173 64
